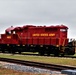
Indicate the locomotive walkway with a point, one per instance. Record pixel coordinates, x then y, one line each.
38 64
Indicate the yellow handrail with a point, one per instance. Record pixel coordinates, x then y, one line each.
63 42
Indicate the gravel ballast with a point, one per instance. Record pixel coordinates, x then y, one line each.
26 68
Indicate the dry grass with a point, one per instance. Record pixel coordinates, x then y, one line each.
44 59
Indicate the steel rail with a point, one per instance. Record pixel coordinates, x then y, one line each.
38 64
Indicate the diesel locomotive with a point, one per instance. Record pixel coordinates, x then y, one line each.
42 39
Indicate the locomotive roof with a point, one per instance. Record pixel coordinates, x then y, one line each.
59 26
52 26
13 28
10 29
32 26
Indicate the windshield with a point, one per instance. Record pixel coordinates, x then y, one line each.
63 30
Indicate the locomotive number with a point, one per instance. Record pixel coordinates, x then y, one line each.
8 37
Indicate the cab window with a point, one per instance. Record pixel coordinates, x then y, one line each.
63 30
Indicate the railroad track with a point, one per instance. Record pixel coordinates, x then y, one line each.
50 56
66 56
38 64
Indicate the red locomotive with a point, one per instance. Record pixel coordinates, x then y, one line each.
42 39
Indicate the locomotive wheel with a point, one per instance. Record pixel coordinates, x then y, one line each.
3 51
9 51
41 53
48 54
19 52
13 52
56 54
62 55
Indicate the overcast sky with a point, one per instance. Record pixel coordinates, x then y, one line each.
38 12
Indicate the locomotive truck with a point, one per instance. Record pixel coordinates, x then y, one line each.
42 39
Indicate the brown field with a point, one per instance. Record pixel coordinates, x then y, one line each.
12 72
4 71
